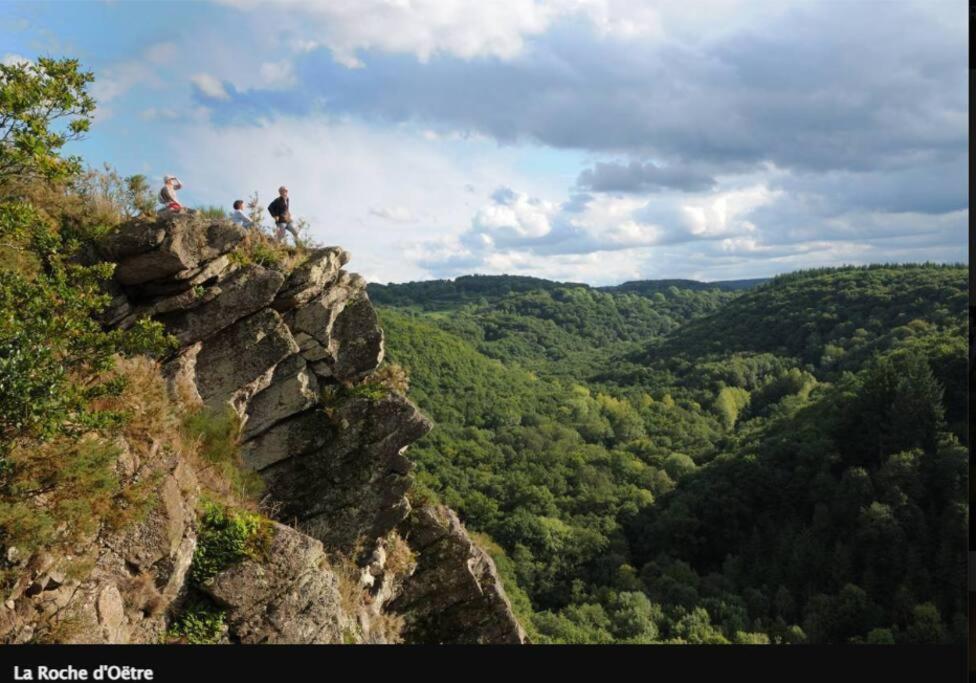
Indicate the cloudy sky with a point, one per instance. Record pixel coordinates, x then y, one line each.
586 140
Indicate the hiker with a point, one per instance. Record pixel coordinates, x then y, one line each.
239 217
167 195
281 215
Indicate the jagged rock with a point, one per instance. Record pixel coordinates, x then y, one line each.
180 373
339 332
183 301
454 595
312 323
187 241
309 279
239 356
119 306
288 439
185 279
110 604
161 533
131 239
111 613
243 292
288 596
358 340
354 484
264 344
293 389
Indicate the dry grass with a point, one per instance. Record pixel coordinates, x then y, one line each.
140 593
352 595
205 439
391 376
260 248
400 557
62 493
65 490
61 629
387 628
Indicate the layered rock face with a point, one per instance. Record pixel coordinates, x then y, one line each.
287 351
267 344
442 604
135 575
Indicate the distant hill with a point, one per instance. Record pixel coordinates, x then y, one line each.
776 460
832 311
440 294
651 286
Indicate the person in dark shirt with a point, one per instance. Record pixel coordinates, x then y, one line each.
281 215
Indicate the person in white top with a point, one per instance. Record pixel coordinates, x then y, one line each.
239 217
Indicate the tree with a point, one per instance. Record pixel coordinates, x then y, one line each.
926 625
255 212
916 409
139 195
43 105
635 618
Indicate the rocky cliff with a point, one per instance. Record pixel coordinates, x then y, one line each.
292 346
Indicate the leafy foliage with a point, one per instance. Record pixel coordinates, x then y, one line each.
225 537
201 622
43 105
776 464
53 354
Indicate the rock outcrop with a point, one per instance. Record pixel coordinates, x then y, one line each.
289 596
135 575
454 594
291 352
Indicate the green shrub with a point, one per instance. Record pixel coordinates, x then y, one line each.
200 623
224 538
53 354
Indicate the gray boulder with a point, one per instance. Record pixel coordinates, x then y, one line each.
144 254
243 292
454 595
308 280
357 340
241 355
293 389
338 331
290 438
204 275
289 596
353 485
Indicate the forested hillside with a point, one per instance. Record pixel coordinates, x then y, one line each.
778 463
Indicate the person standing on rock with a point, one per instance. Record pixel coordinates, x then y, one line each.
239 217
281 214
167 195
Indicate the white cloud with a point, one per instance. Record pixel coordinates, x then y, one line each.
278 75
397 214
147 69
465 29
419 27
517 217
370 190
209 86
721 214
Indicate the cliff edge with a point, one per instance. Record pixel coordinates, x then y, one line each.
290 342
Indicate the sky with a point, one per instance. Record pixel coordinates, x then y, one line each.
594 141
